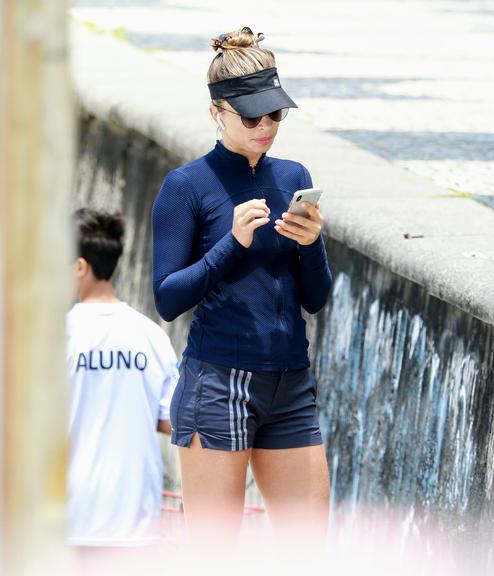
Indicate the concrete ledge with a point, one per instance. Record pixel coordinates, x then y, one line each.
369 205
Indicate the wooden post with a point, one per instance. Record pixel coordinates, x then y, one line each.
37 155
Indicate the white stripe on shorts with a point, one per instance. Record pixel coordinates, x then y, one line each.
239 412
230 407
244 404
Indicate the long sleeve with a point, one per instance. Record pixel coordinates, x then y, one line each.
315 274
179 283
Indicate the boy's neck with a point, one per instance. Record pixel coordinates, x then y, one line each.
100 291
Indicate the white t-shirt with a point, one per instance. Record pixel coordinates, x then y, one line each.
123 371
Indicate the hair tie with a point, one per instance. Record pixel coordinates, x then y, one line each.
219 43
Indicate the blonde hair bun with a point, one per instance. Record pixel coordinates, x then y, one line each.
238 53
243 38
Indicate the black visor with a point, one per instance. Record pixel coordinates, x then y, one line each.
254 94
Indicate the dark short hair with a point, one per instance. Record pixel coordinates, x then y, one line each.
99 240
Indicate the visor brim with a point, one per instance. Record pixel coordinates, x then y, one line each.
261 103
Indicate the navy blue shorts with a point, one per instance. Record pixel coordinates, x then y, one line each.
235 410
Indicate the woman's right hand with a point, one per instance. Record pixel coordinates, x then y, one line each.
247 217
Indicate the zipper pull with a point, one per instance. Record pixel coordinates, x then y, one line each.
253 169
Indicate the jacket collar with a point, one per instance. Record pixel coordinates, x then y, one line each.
235 159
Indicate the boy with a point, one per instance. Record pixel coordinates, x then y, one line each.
123 371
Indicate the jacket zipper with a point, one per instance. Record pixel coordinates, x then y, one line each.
279 284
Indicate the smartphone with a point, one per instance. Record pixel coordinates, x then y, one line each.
311 195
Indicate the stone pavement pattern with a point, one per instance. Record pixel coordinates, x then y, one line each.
410 81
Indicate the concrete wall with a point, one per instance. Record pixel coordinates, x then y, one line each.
405 392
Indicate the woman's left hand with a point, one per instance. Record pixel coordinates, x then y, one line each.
303 229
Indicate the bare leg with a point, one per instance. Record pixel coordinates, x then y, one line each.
294 483
213 487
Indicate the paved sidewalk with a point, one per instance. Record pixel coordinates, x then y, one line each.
410 81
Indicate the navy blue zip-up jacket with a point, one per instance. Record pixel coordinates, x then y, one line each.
248 313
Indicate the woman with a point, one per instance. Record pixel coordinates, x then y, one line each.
223 242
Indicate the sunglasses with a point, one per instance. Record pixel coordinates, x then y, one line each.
276 116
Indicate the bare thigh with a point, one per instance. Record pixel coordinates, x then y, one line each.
213 488
294 483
